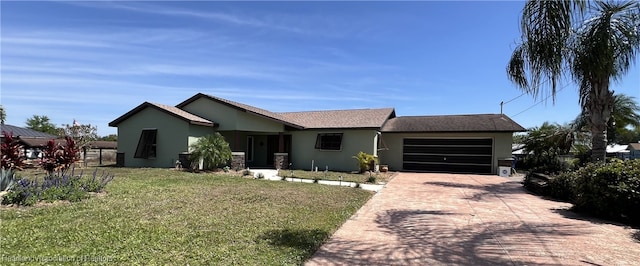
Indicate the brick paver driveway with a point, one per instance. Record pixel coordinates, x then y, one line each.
436 219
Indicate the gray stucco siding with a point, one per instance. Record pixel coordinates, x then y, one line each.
173 137
230 119
353 141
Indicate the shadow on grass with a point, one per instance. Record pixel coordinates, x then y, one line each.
305 240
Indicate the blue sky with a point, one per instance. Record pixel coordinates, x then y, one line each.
94 61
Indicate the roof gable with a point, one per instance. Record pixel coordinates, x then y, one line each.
453 123
25 132
171 110
240 106
634 146
355 118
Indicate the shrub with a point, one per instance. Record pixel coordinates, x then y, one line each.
10 150
259 176
562 186
609 190
365 161
65 186
212 149
58 158
97 183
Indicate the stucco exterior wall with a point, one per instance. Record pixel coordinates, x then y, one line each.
173 137
353 141
392 156
230 118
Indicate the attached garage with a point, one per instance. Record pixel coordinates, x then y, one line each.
455 155
448 143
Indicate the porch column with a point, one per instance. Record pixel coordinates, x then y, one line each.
281 142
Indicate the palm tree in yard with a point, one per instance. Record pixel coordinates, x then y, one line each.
593 43
625 112
212 149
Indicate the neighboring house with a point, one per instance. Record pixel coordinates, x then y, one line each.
28 138
634 150
34 141
24 132
618 151
156 135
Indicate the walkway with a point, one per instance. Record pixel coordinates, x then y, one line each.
448 219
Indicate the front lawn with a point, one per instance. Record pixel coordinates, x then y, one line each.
168 217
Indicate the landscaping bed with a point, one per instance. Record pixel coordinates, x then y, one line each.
366 177
164 216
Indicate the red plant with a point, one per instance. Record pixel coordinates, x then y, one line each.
11 152
56 158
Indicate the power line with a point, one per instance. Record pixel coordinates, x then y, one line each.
546 98
514 98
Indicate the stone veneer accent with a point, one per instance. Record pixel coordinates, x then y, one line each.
281 160
237 160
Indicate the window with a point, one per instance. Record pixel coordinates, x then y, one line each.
329 141
249 148
147 144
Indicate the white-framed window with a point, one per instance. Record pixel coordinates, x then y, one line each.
249 157
329 141
147 144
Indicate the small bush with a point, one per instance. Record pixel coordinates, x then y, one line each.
65 186
365 161
609 190
562 186
371 179
259 176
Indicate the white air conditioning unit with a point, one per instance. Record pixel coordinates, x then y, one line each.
504 171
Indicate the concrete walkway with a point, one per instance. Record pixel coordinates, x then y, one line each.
450 219
272 175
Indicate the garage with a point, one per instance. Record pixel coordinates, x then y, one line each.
451 155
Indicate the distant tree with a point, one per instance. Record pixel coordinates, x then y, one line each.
594 43
626 136
625 114
543 146
81 134
3 115
42 124
212 149
110 137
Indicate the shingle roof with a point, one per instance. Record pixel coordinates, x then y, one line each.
356 118
175 111
453 123
635 146
241 107
25 132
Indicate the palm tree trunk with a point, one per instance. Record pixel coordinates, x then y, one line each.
600 103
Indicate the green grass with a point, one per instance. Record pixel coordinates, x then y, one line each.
162 216
335 176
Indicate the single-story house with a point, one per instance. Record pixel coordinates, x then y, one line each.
157 135
634 150
618 151
34 141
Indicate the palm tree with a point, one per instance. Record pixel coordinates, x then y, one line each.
556 42
212 149
625 112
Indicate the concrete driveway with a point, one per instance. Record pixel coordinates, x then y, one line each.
453 219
